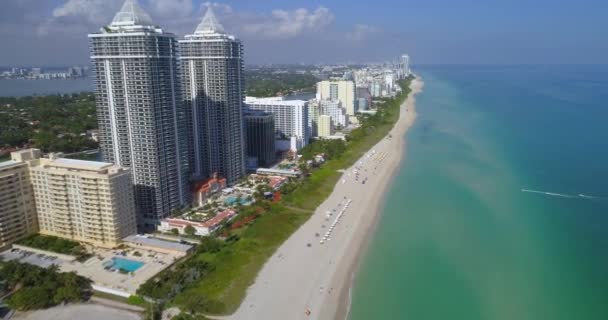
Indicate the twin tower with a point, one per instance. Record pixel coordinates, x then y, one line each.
168 109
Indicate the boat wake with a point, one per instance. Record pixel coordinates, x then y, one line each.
562 195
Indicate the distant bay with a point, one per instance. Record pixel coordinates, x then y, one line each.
21 87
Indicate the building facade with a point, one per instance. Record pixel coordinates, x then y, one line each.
404 66
313 117
290 117
213 84
325 126
334 109
80 200
206 188
17 208
338 90
142 121
260 137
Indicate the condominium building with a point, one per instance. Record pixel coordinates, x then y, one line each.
338 90
325 126
313 117
290 117
17 209
404 66
142 122
334 109
213 84
80 200
259 127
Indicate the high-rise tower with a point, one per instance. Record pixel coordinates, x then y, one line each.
140 112
213 84
404 66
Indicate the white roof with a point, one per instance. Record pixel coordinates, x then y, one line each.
8 163
158 243
274 101
81 164
131 14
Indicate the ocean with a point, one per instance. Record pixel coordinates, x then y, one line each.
22 87
500 209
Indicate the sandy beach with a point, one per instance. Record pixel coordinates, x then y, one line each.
313 270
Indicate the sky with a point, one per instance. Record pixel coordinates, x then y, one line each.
54 32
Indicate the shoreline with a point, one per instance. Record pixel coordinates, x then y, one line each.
306 274
345 298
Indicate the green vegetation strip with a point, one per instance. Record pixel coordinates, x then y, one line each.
215 278
55 244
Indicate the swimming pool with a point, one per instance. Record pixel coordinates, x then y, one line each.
123 264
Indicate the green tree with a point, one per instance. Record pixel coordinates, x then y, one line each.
190 230
29 298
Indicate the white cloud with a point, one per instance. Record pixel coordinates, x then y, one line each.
89 11
362 32
182 16
78 16
218 7
282 24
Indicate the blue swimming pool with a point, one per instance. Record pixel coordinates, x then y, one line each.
123 264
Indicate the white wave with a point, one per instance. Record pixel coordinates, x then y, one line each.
553 194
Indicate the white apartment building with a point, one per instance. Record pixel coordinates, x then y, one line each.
342 90
85 201
334 109
17 209
290 119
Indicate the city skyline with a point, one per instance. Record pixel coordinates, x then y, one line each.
471 33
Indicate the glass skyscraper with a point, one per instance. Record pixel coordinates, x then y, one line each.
213 84
142 119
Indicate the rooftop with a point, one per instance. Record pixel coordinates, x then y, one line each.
157 243
210 223
80 164
277 101
8 163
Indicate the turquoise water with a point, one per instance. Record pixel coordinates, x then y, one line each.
233 200
125 264
459 239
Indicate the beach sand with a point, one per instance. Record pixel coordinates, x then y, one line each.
318 278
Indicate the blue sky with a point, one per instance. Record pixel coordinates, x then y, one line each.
53 32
